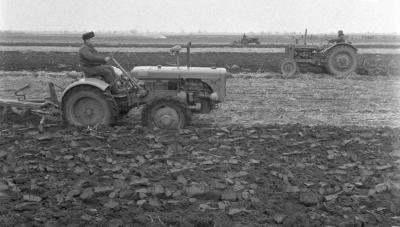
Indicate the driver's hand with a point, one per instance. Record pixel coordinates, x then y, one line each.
107 58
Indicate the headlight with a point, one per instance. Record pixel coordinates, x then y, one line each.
182 95
214 96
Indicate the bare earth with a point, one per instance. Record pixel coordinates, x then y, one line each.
304 151
267 98
311 100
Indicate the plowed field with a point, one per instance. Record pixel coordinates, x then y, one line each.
311 150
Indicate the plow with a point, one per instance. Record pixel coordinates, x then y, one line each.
168 95
22 108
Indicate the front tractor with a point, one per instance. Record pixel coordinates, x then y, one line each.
169 95
336 59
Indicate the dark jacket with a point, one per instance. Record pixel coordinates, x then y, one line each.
88 56
339 39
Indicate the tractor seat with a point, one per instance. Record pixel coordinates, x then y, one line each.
175 49
96 76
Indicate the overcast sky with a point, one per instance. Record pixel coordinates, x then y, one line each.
319 16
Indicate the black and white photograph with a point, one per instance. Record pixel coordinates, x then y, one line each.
200 113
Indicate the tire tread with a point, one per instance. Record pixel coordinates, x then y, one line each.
175 100
334 50
106 94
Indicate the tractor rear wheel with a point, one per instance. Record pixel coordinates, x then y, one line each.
85 105
341 60
166 113
288 67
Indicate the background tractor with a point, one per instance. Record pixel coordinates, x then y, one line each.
336 59
169 96
244 41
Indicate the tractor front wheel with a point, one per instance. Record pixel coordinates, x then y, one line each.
341 60
3 112
288 67
166 113
85 105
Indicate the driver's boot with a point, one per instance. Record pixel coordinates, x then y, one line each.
115 88
117 91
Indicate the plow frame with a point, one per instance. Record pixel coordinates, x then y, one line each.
47 108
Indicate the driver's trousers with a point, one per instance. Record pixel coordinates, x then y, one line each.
105 71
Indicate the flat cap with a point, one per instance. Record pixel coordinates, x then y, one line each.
88 35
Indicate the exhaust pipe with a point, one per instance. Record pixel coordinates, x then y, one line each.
305 37
189 44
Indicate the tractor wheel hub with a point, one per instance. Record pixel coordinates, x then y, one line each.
88 111
166 117
342 61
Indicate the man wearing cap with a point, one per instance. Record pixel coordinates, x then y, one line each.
339 39
94 64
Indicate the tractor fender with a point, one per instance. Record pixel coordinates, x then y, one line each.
340 44
218 88
100 84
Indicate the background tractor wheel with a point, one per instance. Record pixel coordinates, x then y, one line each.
288 67
341 60
85 105
166 113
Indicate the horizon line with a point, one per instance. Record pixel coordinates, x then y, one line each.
135 32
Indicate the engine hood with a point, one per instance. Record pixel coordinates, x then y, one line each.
214 77
173 72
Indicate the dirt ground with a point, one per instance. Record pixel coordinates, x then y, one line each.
308 99
311 150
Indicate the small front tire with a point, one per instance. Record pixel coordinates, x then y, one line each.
288 67
166 113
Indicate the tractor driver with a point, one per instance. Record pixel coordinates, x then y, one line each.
94 64
339 39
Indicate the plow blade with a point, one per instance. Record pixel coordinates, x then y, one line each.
32 111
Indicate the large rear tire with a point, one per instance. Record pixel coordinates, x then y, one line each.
166 113
86 105
341 60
